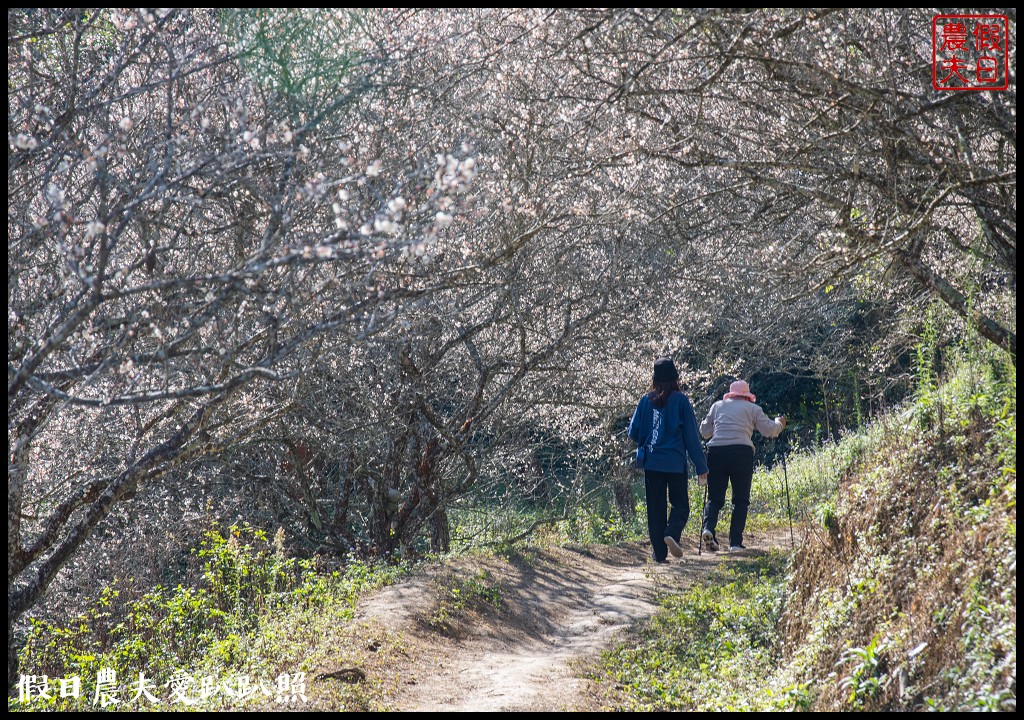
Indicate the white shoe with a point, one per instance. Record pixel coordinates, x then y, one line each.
734 548
709 540
673 546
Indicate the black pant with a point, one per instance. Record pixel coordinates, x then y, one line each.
725 463
661 522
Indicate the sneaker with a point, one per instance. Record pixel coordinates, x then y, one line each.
673 546
709 540
737 547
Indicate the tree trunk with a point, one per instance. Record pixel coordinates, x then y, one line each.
622 489
440 531
22 596
986 326
12 655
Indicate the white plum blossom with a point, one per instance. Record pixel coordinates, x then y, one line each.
442 220
125 23
55 195
93 229
24 141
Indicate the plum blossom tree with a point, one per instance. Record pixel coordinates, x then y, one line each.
351 266
182 226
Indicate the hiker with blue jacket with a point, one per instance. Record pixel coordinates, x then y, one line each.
730 424
665 431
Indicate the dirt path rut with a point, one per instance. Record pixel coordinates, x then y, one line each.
558 606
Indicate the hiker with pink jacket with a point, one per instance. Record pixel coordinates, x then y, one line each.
728 428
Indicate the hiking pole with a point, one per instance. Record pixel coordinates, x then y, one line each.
789 507
700 528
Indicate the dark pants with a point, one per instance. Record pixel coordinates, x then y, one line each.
661 522
725 463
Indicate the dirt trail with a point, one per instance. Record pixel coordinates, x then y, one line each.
557 606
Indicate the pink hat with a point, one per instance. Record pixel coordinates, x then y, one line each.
740 389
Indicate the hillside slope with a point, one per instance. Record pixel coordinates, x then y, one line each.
904 594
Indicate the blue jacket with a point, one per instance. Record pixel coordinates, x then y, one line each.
671 433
